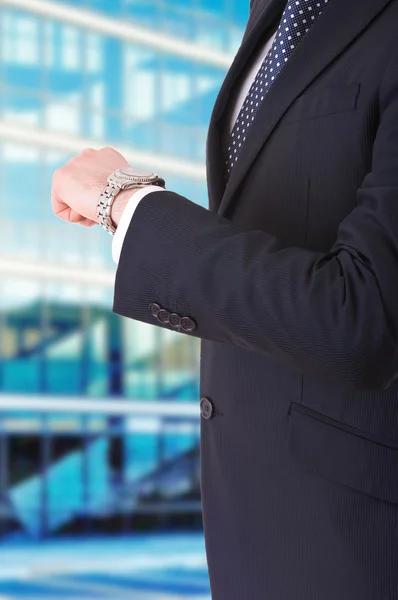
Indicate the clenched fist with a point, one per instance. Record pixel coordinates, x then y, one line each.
77 186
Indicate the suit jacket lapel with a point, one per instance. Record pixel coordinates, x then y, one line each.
335 29
263 19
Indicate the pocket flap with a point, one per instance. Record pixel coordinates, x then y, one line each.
328 101
344 454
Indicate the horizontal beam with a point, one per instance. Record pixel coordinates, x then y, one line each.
44 271
13 403
42 138
126 31
167 508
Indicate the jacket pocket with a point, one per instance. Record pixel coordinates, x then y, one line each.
329 101
343 453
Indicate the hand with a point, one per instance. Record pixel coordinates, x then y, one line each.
78 184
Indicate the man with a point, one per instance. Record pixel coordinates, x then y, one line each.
290 279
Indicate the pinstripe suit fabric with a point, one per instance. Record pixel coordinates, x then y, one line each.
292 279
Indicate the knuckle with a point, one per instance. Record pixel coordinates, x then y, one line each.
88 151
57 176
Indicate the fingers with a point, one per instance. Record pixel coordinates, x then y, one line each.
75 217
59 207
67 214
87 223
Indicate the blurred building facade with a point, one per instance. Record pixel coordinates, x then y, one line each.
141 76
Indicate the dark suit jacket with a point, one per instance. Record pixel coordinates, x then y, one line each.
290 279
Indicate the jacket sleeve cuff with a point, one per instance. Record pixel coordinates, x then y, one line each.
120 234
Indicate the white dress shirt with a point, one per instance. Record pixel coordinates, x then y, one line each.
233 111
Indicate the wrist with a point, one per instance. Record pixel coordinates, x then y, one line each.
119 205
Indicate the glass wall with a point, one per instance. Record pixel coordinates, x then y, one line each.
141 76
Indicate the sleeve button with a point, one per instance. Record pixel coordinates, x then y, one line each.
175 320
154 309
188 324
163 316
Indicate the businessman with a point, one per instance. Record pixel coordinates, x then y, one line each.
290 280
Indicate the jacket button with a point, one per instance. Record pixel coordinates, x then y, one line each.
188 324
163 316
175 320
206 408
154 309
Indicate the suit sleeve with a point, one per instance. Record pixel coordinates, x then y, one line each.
331 315
126 217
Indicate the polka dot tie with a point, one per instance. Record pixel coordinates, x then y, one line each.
297 19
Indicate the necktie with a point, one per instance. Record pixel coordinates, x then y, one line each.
297 18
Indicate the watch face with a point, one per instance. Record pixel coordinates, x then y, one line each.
128 177
135 174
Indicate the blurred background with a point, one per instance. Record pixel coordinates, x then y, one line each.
99 415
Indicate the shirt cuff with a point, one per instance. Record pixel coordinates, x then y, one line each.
127 215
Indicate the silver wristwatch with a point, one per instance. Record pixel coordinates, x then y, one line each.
122 179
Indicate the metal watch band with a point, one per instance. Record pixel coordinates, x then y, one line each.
108 195
104 207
